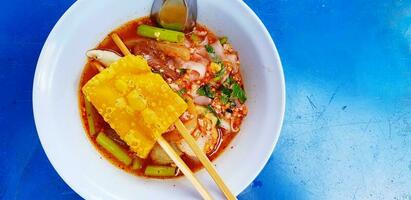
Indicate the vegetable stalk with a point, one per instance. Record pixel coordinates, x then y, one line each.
109 145
89 115
136 164
160 34
159 171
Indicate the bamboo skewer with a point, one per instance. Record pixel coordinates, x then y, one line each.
165 145
204 160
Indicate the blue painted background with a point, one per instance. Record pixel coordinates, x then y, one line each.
347 130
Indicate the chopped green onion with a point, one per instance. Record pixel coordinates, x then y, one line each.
226 91
229 81
160 34
209 49
159 171
115 150
238 93
212 54
223 40
224 99
89 115
211 109
225 94
218 122
201 91
219 75
205 90
182 71
137 164
182 92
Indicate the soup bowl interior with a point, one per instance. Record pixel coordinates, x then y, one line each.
58 120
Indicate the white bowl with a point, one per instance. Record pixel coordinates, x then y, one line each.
58 122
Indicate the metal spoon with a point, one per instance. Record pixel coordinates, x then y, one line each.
178 15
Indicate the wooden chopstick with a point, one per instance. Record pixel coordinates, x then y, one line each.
164 144
183 167
204 160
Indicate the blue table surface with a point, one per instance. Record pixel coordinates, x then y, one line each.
347 129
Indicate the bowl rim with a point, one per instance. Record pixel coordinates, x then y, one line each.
39 68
